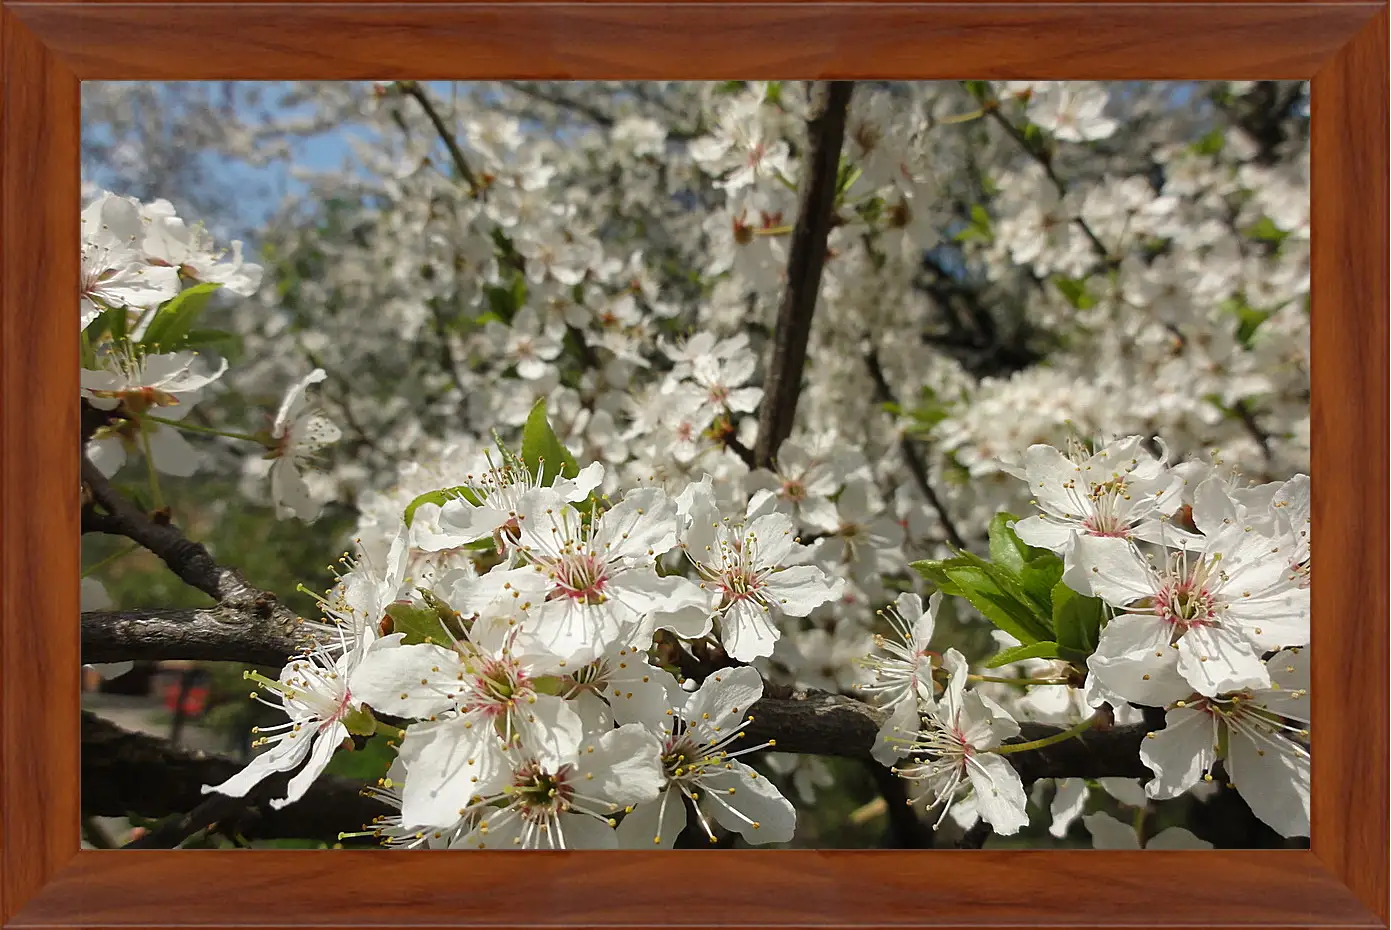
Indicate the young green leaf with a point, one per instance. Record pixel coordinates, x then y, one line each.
1077 619
544 454
441 497
168 331
418 623
934 573
1045 650
983 589
1006 549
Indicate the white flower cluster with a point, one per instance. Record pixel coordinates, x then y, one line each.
146 277
1203 591
541 719
1010 266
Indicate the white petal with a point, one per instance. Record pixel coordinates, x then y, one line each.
1128 791
550 729
1069 801
891 743
625 765
1214 660
726 696
654 825
1272 775
447 763
1109 833
747 632
1181 753
999 793
799 590
281 757
326 742
745 802
1114 569
390 678
1176 838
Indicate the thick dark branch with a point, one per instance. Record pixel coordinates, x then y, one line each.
810 722
189 560
211 634
816 200
821 723
126 773
884 394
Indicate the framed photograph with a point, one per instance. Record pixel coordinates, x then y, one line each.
854 460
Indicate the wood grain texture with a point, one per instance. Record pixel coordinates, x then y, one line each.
1348 362
426 41
46 47
40 553
696 888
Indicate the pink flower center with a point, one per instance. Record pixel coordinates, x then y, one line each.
1185 604
740 583
580 576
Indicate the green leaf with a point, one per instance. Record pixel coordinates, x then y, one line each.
542 451
1040 576
366 764
1077 619
1044 650
420 624
441 497
979 89
986 594
1266 230
934 573
168 331
228 345
360 722
1210 144
1074 290
112 322
1006 549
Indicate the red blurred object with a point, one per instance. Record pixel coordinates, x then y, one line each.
195 700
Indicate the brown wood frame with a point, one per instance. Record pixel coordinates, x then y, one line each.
46 48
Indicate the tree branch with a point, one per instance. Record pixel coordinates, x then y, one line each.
126 773
208 634
910 453
187 559
416 90
800 721
830 101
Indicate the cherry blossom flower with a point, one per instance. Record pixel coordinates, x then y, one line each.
699 764
951 754
1261 736
300 431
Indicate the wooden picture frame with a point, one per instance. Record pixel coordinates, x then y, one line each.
47 48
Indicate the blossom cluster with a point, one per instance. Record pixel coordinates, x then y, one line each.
1011 265
1196 594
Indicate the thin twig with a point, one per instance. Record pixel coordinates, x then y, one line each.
1045 161
417 90
916 466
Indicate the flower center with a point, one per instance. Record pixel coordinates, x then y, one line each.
497 686
541 794
740 582
1185 604
581 576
